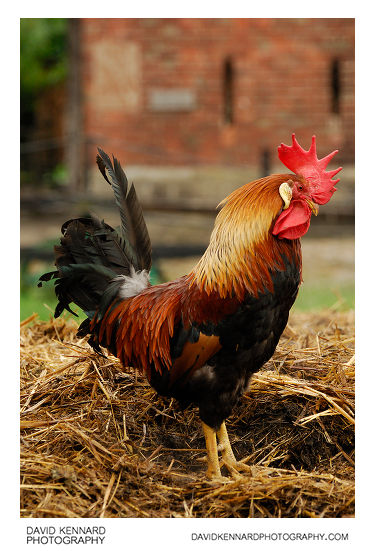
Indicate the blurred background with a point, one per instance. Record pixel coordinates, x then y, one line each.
193 108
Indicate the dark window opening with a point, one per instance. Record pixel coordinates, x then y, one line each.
335 86
228 91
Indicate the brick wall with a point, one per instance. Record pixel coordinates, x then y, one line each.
217 91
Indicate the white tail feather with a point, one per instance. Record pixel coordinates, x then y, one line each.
134 283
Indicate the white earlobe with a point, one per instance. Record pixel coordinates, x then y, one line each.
285 192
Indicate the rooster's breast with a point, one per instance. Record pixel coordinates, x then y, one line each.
248 338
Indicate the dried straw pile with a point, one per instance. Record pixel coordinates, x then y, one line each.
98 442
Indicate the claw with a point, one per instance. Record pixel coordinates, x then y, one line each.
228 458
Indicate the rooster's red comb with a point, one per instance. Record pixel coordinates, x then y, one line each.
307 164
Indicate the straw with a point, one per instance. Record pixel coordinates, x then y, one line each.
97 441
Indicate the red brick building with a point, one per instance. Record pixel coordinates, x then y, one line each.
216 91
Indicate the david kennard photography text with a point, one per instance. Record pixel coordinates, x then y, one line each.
43 535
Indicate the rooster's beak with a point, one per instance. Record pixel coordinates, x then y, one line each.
313 206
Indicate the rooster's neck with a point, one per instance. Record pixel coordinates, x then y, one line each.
243 253
246 271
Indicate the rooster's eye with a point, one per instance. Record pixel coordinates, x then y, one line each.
300 187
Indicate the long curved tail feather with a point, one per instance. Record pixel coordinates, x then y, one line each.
133 227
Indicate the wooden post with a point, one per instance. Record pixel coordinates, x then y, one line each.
75 147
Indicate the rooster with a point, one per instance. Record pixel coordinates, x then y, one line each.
201 337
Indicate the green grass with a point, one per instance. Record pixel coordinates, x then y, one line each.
322 296
43 302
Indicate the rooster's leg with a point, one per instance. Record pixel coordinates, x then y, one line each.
227 452
213 469
225 446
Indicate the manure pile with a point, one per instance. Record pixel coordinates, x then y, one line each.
96 440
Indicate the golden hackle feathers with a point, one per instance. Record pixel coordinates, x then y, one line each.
242 250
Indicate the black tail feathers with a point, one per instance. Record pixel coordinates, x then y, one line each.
91 253
133 227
